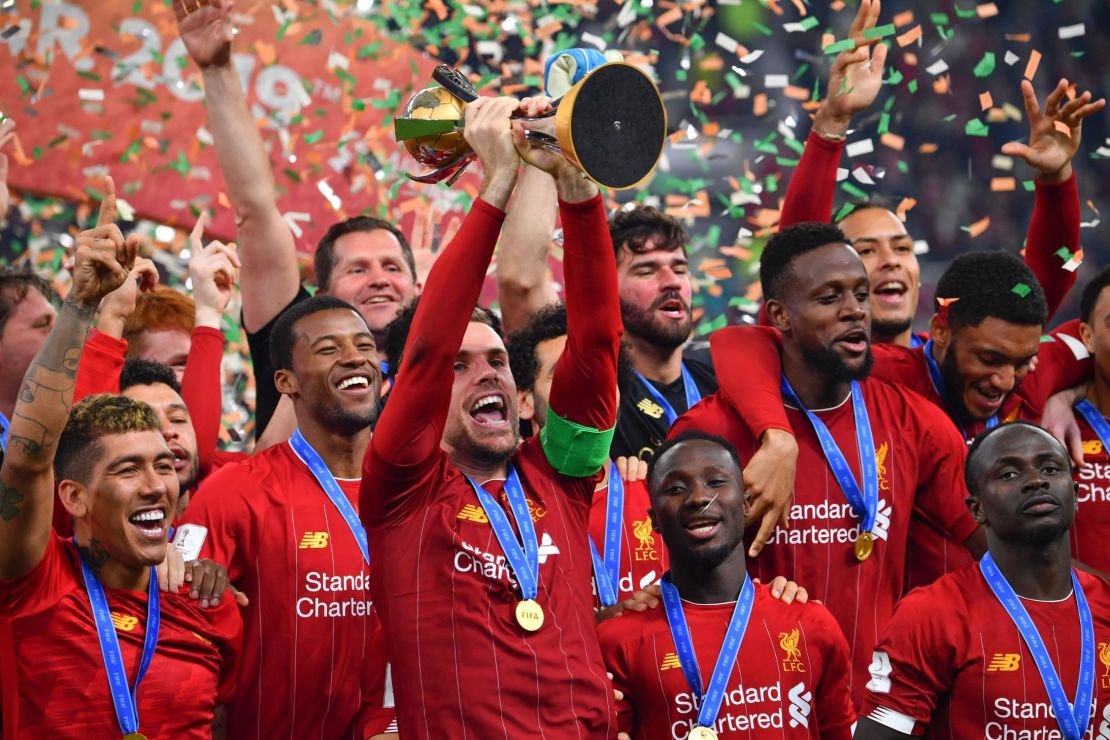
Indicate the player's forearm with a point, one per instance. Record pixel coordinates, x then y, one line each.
1054 225
200 389
46 396
522 284
757 397
812 188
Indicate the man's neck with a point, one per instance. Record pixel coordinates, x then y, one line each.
479 470
816 389
112 573
901 339
1098 393
717 585
1040 572
341 452
661 364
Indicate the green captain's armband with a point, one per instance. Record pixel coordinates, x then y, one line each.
573 449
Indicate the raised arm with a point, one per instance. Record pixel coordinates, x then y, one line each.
522 284
103 259
409 430
1054 137
269 259
854 80
7 131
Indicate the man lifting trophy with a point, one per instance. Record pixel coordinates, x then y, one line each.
611 123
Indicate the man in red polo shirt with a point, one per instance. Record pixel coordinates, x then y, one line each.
874 453
482 567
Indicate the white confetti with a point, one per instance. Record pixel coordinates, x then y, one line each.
776 82
861 175
337 60
1071 32
857 148
1011 58
592 40
938 67
749 58
91 94
920 246
841 174
727 43
1002 162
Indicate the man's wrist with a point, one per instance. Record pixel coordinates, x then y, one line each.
1058 177
830 126
574 187
83 310
209 317
780 440
497 186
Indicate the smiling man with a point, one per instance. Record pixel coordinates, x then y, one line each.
285 521
1014 646
26 318
666 661
873 453
115 477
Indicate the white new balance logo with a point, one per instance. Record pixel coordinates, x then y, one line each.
882 520
800 705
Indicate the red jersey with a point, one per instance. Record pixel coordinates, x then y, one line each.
1090 532
789 681
920 465
643 557
308 628
953 665
56 684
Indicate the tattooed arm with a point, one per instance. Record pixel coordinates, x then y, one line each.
26 476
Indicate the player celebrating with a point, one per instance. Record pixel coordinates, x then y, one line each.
996 649
492 635
286 523
873 452
793 684
116 478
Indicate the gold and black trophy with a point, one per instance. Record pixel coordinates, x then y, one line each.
611 124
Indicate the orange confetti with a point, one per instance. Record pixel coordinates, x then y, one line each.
986 10
894 141
1003 184
1062 128
910 58
796 93
905 207
903 19
941 85
927 148
985 100
759 104
711 129
700 94
979 227
223 200
945 302
1021 38
1034 62
766 217
267 54
909 36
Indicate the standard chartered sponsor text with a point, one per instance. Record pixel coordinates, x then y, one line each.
1012 721
354 592
750 716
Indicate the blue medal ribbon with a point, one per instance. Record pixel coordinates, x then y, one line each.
915 341
938 386
525 561
607 569
866 502
1096 421
1073 717
684 646
5 432
323 476
123 697
693 395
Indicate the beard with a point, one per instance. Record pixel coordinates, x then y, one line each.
347 421
646 324
830 363
890 327
189 477
486 452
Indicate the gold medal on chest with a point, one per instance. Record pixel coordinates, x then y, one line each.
529 615
864 546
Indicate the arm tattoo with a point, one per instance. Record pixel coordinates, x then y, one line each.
9 502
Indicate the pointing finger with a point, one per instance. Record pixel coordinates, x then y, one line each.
108 205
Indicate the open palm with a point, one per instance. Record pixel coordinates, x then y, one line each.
1055 132
205 28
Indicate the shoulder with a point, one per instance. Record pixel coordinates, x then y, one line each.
630 628
1097 592
256 480
945 601
220 624
251 470
917 411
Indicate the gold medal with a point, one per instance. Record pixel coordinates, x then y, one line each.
529 615
134 736
702 733
864 546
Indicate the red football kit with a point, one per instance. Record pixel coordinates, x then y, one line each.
308 632
953 665
789 681
462 666
1090 532
643 557
920 468
1062 362
54 683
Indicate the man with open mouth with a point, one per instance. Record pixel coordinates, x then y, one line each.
59 596
873 453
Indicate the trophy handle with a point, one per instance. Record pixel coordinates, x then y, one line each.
453 169
455 83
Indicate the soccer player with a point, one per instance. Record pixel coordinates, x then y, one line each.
491 635
873 453
1016 646
1090 532
116 478
781 669
364 261
285 521
26 318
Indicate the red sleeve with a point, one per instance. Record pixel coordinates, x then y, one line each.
377 715
809 195
941 491
42 586
1055 224
756 393
833 701
200 388
409 430
584 386
1062 362
914 664
219 506
100 365
616 661
227 624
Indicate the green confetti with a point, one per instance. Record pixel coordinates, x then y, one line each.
1063 253
314 137
941 19
708 327
975 127
1028 185
912 87
884 123
24 85
961 13
844 211
89 76
894 77
1021 289
853 191
879 32
358 105
986 65
808 23
839 46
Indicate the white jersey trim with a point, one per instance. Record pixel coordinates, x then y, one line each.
894 720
